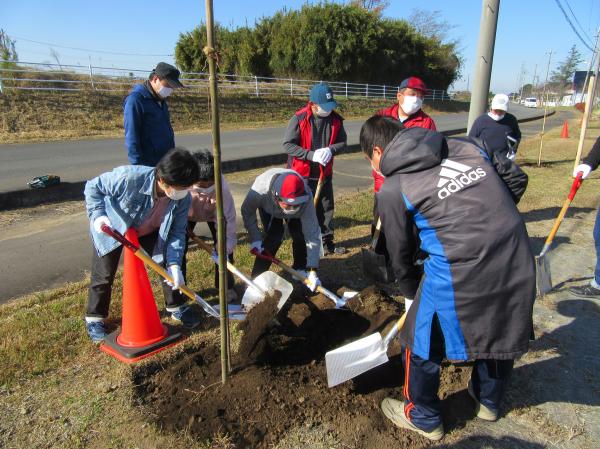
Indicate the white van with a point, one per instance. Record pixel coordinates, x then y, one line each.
530 102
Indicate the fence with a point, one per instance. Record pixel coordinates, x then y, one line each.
75 78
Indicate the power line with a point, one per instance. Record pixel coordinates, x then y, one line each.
577 21
85 49
573 27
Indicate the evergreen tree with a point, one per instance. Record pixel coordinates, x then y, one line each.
563 75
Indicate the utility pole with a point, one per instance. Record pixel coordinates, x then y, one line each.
484 59
545 110
533 80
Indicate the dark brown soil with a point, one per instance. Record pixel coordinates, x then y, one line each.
283 384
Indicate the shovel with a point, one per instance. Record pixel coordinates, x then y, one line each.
543 278
319 185
339 302
139 252
264 285
374 265
360 356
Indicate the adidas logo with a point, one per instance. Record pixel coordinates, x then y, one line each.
454 176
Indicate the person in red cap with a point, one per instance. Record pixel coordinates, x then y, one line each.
280 195
407 110
315 134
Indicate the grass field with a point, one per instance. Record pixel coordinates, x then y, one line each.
59 391
35 116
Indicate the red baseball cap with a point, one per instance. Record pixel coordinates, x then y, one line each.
290 188
414 83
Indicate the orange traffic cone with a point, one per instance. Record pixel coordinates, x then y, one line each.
141 334
565 131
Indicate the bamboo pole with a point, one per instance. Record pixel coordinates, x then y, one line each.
588 101
211 56
545 100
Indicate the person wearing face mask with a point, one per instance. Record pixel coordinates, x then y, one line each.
148 131
498 129
315 134
407 110
203 209
155 202
280 195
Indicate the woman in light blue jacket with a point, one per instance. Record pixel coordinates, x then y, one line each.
154 201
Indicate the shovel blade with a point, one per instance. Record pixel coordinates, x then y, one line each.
355 358
235 312
374 266
270 282
543 278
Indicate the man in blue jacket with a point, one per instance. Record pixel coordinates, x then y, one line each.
148 131
154 201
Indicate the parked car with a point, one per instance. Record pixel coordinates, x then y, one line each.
530 102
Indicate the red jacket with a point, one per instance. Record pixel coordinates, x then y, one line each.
418 119
302 166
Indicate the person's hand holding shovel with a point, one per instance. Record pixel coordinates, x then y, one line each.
312 280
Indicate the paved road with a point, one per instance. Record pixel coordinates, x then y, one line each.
79 160
53 247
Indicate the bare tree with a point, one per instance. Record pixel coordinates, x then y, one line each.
56 57
376 6
430 24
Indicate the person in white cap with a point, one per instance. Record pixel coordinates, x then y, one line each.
498 129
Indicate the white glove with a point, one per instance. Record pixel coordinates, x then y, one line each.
585 168
258 246
313 281
407 304
322 156
98 222
177 275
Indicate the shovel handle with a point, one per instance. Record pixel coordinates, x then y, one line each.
394 330
141 254
574 187
339 302
206 247
319 185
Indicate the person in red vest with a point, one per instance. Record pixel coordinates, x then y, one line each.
411 93
315 134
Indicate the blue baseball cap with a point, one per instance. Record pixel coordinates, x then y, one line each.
322 95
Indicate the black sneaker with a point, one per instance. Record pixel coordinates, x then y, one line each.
330 248
585 291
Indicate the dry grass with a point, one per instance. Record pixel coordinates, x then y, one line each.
36 116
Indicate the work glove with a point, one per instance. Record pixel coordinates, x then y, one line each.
585 168
312 282
177 275
256 247
99 221
407 303
322 156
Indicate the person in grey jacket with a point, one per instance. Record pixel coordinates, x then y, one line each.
154 201
281 194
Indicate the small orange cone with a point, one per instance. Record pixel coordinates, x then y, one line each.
141 334
565 131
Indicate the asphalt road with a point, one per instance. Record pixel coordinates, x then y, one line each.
52 246
79 160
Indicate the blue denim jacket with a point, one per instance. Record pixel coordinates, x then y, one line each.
124 195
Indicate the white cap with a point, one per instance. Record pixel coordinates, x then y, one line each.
500 101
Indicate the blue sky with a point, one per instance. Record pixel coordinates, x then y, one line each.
146 31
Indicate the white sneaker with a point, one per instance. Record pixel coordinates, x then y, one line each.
482 412
394 411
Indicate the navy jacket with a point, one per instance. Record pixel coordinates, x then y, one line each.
148 131
494 133
480 276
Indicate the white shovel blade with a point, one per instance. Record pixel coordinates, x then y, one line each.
235 312
267 281
355 358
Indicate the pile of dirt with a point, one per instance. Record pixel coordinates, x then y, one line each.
283 384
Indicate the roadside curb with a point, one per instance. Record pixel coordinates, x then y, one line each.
71 191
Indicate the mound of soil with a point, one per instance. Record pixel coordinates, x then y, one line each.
282 385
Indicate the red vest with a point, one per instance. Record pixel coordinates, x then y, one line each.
302 166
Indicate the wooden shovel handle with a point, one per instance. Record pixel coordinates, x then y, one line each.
319 185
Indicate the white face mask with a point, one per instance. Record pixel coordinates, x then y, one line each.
495 117
322 112
176 195
411 104
205 190
164 91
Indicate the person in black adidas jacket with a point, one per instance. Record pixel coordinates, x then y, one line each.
475 300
